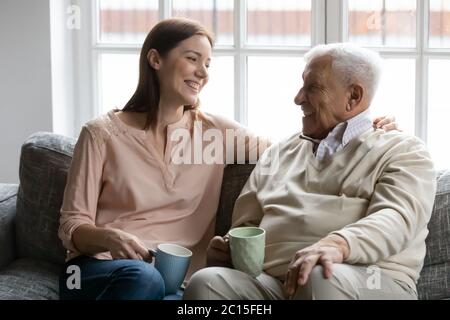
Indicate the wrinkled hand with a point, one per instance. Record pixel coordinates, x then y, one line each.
387 123
218 253
123 245
329 250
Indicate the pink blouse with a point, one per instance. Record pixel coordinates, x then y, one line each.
118 180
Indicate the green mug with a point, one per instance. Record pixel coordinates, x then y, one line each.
247 245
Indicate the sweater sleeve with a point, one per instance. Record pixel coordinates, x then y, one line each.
399 209
82 188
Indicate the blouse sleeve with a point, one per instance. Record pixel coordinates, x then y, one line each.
82 188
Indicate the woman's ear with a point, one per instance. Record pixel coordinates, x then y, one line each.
154 59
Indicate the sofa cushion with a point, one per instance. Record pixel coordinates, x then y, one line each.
434 281
234 178
8 199
29 279
44 162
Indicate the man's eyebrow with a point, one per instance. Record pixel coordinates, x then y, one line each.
195 52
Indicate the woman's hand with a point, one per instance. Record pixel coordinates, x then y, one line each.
123 245
387 123
218 252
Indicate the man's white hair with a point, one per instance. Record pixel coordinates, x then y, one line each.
351 63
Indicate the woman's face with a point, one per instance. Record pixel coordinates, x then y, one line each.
184 71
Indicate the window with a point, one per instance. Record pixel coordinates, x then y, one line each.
414 39
390 27
257 65
437 71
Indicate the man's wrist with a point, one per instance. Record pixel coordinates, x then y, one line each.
338 242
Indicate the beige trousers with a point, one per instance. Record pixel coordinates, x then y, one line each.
348 282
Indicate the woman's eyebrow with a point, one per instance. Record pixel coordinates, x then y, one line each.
195 52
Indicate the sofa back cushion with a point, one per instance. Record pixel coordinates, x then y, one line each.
234 178
434 281
44 162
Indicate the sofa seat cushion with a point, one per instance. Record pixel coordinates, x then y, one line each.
29 279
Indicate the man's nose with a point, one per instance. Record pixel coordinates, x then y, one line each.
300 97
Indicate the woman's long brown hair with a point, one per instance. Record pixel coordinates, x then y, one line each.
163 37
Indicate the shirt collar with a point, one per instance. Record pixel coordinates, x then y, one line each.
357 126
347 130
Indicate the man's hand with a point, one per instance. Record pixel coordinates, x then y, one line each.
218 253
329 250
387 123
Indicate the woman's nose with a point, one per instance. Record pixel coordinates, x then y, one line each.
202 72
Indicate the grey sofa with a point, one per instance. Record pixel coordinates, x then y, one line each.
31 254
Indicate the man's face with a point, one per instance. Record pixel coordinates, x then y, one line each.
323 98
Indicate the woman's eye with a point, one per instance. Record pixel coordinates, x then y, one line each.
192 58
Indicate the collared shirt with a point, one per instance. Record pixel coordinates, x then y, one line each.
341 135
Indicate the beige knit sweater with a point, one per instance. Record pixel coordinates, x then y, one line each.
377 193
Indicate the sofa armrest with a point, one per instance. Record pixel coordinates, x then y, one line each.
8 199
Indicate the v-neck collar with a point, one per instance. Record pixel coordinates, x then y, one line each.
319 165
146 139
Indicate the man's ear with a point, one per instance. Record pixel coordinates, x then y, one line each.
154 59
356 94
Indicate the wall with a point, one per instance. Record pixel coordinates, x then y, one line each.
63 85
25 78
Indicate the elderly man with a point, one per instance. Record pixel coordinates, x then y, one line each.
346 212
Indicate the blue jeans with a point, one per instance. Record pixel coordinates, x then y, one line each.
123 279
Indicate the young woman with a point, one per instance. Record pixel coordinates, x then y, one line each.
127 190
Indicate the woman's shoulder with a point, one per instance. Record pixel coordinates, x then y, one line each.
103 127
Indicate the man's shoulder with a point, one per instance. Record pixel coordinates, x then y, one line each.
282 150
395 145
394 138
288 143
